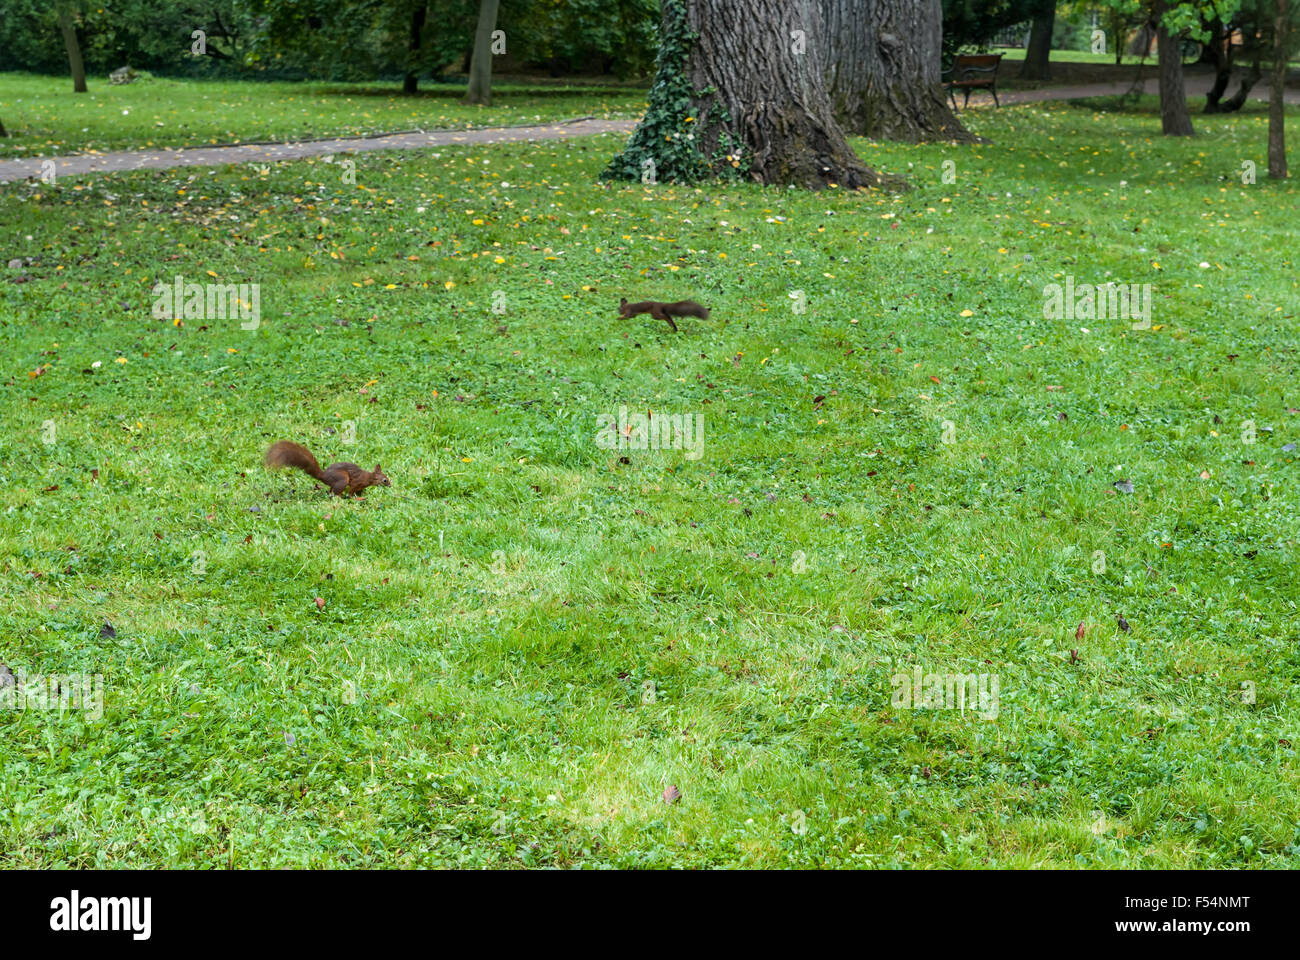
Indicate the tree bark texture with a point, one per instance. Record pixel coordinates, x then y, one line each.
883 62
1175 118
1038 58
759 64
1276 95
411 83
480 69
69 32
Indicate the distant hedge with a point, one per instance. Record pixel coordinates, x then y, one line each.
327 39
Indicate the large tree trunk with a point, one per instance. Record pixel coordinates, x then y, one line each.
1175 118
480 70
1276 96
739 91
759 63
1038 58
69 32
411 83
882 62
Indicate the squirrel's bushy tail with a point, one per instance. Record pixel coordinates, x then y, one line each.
286 453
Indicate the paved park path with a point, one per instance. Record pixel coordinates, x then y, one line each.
1196 84
162 159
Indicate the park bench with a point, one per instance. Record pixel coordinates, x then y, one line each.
974 71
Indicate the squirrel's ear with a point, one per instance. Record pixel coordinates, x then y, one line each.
622 301
378 468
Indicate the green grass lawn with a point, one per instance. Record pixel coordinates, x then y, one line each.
45 118
507 657
1074 56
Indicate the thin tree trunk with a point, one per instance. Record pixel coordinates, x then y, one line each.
480 68
1277 97
1221 59
1038 58
1141 44
69 32
882 65
1248 81
1175 118
411 83
3 131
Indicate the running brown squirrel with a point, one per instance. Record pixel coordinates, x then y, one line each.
341 478
663 311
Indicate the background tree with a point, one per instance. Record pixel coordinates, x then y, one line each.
361 39
1285 30
738 91
480 68
329 39
69 31
1175 118
1224 55
883 62
972 24
415 40
1038 55
584 36
144 34
1172 21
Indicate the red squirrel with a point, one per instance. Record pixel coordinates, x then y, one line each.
663 311
341 478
